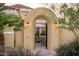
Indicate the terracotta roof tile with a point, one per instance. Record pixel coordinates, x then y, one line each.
19 6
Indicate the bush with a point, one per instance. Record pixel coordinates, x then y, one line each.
71 49
20 52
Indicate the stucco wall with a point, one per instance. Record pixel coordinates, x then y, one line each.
19 39
9 40
66 36
9 37
26 39
23 15
54 42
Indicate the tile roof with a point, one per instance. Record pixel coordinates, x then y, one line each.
18 6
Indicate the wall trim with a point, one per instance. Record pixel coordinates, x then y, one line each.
8 33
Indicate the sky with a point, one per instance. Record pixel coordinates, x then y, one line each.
32 5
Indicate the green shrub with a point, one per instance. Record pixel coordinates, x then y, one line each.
71 49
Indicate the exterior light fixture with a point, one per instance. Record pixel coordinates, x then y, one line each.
27 25
55 25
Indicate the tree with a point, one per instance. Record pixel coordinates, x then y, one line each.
8 20
70 21
70 14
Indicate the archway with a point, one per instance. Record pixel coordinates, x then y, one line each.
41 33
29 33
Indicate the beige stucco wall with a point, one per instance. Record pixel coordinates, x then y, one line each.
9 37
19 39
26 38
54 41
66 36
23 14
9 40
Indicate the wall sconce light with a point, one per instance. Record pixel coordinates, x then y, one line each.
55 25
27 25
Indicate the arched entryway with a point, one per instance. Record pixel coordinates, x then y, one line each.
41 33
29 32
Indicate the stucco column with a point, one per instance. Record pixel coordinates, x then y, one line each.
29 38
54 38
